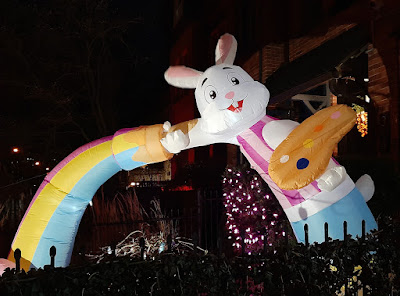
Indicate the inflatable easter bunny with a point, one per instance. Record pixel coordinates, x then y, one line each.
295 160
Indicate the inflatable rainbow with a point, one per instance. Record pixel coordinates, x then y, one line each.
54 214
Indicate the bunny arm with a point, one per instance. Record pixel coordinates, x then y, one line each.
273 133
198 137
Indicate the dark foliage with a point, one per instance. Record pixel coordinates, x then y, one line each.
322 269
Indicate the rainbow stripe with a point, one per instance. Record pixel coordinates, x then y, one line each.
55 211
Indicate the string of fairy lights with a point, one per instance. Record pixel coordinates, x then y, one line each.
252 214
362 120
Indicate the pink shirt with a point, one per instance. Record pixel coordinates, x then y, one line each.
258 153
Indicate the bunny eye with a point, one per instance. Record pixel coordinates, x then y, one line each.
234 80
212 94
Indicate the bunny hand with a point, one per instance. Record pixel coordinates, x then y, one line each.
331 178
175 141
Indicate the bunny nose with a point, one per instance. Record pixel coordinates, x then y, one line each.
230 95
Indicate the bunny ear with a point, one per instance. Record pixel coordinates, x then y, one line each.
225 51
182 77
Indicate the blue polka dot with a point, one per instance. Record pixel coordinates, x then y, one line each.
302 163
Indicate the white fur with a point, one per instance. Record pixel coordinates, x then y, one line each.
228 56
331 178
237 102
215 115
274 132
175 142
366 186
182 77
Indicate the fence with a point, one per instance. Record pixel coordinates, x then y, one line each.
204 224
367 266
218 246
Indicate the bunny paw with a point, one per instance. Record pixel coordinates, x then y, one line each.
166 126
175 141
331 178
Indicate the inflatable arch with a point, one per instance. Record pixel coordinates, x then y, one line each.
55 211
293 159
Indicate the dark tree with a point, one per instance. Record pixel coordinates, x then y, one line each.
64 71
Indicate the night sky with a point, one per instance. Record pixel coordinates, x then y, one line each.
50 104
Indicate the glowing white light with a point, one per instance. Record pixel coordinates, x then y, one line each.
366 79
15 150
367 99
37 163
161 248
91 203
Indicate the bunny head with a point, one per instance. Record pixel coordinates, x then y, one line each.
226 96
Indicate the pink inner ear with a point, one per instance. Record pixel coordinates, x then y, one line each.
182 71
224 45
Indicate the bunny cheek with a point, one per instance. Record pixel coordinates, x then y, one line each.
236 109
